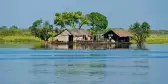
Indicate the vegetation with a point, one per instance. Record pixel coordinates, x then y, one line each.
159 32
24 35
19 39
41 30
71 19
157 39
95 22
15 34
140 32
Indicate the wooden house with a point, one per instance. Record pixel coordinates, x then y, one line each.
117 35
73 35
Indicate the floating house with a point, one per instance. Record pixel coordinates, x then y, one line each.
117 35
73 35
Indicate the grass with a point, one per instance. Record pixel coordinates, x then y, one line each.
19 39
156 39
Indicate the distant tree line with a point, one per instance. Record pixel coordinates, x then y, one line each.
13 31
159 32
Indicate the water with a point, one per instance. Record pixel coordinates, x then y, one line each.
47 64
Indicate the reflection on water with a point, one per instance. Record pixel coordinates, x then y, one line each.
81 47
89 47
93 71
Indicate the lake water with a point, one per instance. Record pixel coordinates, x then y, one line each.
65 64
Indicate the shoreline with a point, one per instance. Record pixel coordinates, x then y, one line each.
65 43
153 39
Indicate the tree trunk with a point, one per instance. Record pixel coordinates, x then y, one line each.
80 26
52 34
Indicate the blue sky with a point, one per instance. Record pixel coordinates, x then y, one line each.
120 13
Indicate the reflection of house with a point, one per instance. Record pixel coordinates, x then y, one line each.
73 35
118 35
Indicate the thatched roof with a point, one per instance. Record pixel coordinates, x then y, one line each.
75 32
122 33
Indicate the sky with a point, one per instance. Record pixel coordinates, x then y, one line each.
120 13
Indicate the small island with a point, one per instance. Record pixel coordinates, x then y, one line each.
75 27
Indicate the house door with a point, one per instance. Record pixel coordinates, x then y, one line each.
70 38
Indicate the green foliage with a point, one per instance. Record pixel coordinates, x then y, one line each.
115 28
140 31
59 20
70 19
97 21
155 39
15 34
19 38
41 30
2 28
13 31
83 21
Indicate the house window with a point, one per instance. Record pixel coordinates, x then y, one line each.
110 35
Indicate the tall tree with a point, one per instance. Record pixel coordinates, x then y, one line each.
67 16
83 20
36 25
41 30
59 20
72 18
44 33
141 32
97 21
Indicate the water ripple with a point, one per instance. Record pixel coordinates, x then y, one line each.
79 57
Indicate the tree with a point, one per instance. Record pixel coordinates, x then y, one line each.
83 20
3 31
97 21
13 27
36 25
41 30
70 19
59 20
44 32
3 28
13 30
141 32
